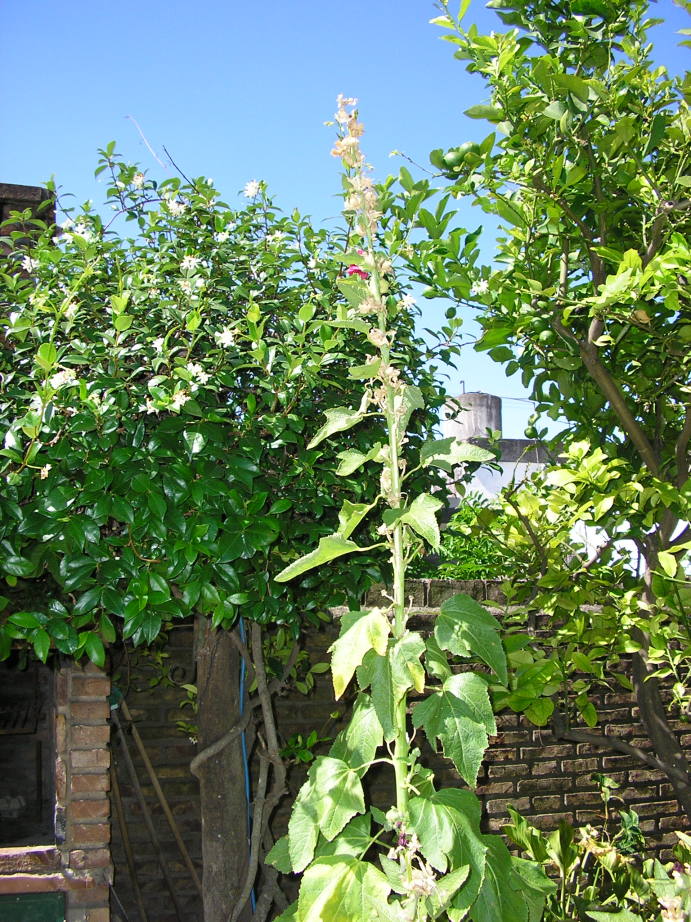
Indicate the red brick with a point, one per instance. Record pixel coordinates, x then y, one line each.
90 784
494 788
589 816
89 896
89 711
90 758
507 771
547 804
82 859
637 775
89 737
80 834
546 768
500 806
670 822
540 785
91 687
89 809
578 766
549 820
62 686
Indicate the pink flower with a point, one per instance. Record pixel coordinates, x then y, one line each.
356 270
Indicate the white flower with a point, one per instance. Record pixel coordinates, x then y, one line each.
186 286
178 400
158 344
175 208
149 406
198 373
480 288
67 224
221 236
407 301
70 309
276 237
189 263
83 231
225 337
45 470
138 180
252 188
29 264
58 380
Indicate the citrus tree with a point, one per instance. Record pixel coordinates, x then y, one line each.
161 372
587 169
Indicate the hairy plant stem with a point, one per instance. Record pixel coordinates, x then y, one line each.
401 743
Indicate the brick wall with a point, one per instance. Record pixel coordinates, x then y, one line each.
155 708
78 864
546 779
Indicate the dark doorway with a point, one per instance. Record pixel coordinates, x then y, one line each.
27 752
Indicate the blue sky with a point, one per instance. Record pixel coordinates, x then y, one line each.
239 91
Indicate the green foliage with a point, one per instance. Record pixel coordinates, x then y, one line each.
158 392
604 874
466 551
426 858
586 166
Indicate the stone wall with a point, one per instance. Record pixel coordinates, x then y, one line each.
78 863
545 779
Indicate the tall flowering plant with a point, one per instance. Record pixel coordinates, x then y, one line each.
425 858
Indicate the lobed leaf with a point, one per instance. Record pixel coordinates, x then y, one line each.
465 628
361 631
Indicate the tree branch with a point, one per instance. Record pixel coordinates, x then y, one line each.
681 449
611 391
223 741
561 731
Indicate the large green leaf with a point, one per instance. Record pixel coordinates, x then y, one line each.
500 898
354 839
447 825
351 460
338 419
357 744
279 856
422 518
303 828
360 631
340 888
351 515
460 716
329 548
411 400
406 669
449 453
336 794
537 885
467 629
375 673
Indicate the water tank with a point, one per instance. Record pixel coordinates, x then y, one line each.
480 412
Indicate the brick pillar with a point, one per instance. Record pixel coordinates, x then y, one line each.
79 863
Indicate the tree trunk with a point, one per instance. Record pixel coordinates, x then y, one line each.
221 777
665 743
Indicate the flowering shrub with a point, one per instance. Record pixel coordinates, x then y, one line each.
156 393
